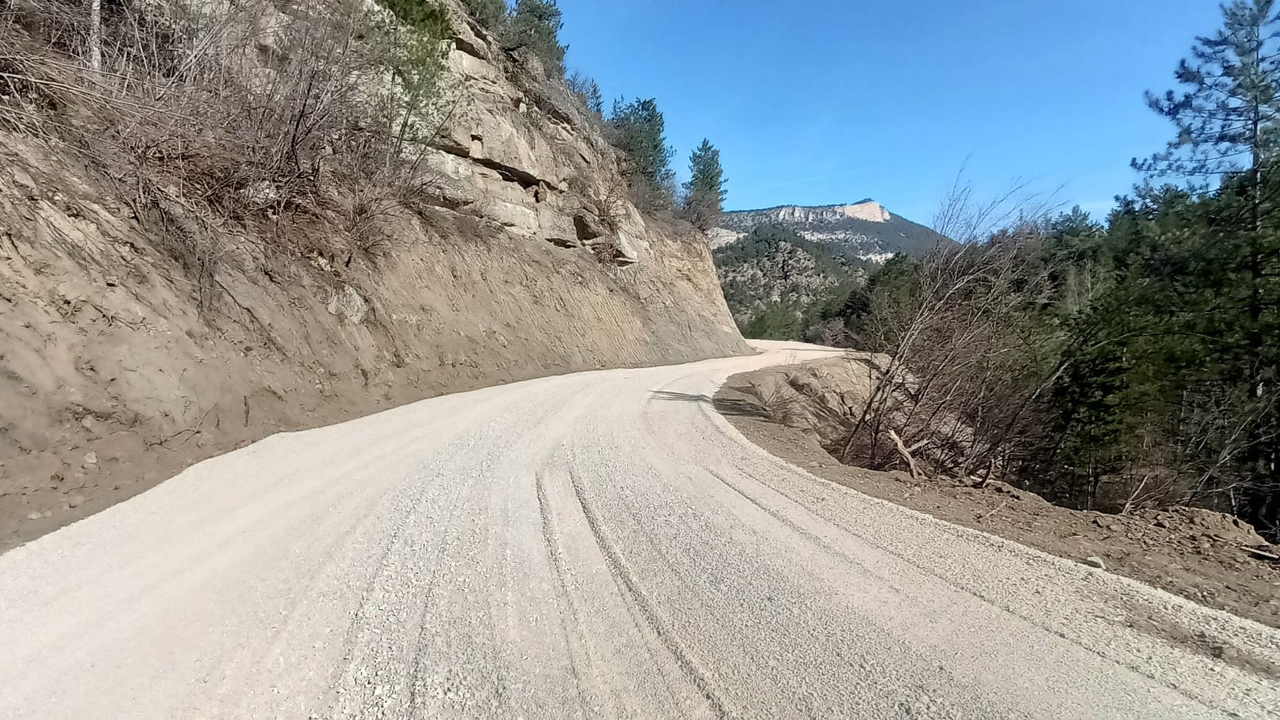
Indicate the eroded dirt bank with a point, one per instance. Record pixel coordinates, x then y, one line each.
1207 557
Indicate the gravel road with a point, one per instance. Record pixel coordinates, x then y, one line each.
593 545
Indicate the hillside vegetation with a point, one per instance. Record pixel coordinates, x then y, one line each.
779 285
1119 365
791 273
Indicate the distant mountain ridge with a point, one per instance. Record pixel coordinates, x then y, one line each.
864 230
862 210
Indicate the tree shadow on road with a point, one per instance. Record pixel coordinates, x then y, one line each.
725 406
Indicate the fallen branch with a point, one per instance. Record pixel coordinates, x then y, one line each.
906 455
1260 553
998 508
199 428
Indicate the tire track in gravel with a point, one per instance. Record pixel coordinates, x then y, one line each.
647 610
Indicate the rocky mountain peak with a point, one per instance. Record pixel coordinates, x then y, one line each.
863 230
868 210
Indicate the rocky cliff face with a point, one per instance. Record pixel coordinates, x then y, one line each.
863 230
868 210
117 368
522 151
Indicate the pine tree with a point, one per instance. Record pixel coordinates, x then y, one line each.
1226 117
587 91
638 129
595 101
1090 433
489 13
704 193
1227 126
776 321
536 25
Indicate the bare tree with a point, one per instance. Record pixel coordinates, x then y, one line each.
959 382
962 388
965 218
95 35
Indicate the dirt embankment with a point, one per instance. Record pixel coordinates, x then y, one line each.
1207 557
120 365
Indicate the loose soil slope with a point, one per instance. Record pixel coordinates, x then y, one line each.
119 366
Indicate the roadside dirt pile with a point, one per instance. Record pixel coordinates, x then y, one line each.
818 396
1211 558
139 336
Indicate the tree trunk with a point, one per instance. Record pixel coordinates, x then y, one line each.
1263 486
95 35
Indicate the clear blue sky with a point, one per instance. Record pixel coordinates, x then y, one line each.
826 101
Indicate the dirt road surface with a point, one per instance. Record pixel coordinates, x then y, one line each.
593 545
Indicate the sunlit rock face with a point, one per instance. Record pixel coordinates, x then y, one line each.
863 230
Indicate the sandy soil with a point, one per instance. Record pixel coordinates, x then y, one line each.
1202 556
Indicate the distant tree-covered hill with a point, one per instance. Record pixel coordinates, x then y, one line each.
778 283
788 269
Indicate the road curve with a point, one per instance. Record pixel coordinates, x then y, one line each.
594 545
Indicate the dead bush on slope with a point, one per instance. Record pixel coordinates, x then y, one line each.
248 112
782 403
961 386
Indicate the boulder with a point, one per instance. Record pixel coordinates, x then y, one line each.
347 304
557 228
588 226
519 219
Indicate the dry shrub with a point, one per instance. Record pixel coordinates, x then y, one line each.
606 251
962 385
238 113
784 405
609 203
